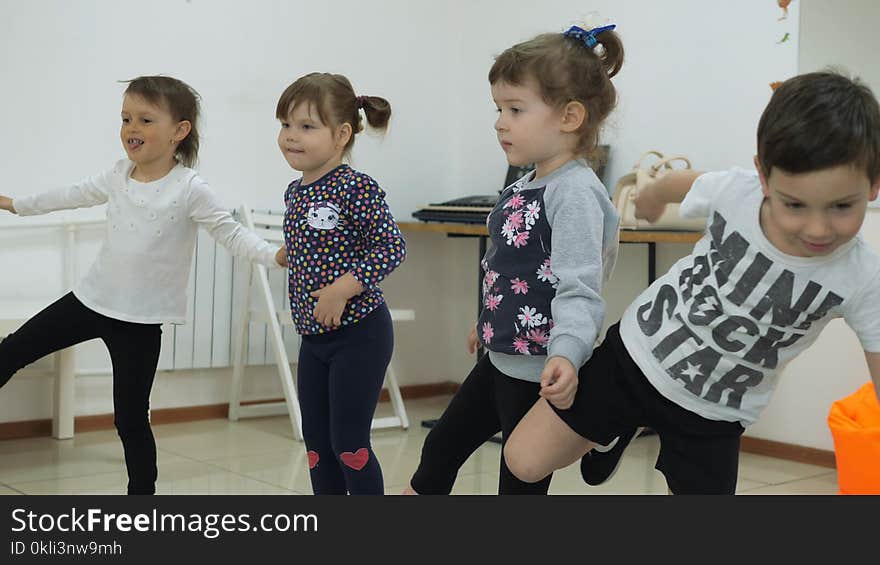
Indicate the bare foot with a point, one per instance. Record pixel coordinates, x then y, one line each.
408 491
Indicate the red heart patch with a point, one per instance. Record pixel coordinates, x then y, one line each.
313 459
356 460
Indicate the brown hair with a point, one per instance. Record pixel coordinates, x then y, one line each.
567 70
820 120
336 103
181 100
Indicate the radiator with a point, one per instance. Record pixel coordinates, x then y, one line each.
215 290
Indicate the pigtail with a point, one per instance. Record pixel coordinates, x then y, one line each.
377 110
609 50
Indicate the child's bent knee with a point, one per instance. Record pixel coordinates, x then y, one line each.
523 467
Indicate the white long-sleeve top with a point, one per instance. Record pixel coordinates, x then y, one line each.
142 271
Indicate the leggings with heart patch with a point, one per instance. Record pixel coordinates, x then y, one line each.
339 379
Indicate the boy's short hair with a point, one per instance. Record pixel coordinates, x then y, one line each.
820 120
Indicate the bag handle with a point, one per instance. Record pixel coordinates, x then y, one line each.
667 163
638 164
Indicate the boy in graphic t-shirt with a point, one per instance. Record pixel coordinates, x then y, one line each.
697 355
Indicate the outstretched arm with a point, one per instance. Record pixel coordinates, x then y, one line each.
6 204
91 191
671 188
205 209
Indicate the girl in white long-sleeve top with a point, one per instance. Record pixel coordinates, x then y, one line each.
155 205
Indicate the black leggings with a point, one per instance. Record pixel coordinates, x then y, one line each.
339 379
134 352
487 402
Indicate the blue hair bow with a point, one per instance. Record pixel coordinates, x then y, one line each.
588 37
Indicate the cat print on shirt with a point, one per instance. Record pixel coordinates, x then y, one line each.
323 215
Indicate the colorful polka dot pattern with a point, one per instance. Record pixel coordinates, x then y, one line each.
336 225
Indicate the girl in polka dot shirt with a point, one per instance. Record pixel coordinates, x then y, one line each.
341 242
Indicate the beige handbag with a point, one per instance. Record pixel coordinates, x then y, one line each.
629 186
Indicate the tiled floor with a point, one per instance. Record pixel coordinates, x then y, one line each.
259 456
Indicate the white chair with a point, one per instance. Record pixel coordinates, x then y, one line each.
262 308
12 316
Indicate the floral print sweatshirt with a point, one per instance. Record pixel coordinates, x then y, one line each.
554 245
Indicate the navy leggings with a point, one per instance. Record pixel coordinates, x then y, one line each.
339 379
134 352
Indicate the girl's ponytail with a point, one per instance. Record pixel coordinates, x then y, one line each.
377 110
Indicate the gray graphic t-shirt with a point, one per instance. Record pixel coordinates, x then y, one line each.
713 333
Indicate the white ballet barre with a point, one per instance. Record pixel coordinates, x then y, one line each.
14 313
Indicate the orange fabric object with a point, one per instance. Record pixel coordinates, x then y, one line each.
855 427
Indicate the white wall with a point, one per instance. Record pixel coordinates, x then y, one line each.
61 107
61 100
695 81
840 33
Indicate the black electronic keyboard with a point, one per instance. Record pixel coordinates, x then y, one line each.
467 210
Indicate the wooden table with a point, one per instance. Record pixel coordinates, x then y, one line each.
652 238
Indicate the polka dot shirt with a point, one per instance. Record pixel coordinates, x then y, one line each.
336 225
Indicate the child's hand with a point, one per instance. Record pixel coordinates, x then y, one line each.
6 204
472 340
331 304
281 256
333 298
648 206
559 382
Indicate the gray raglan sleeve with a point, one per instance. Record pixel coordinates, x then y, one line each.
577 220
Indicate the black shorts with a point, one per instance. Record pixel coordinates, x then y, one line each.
697 455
